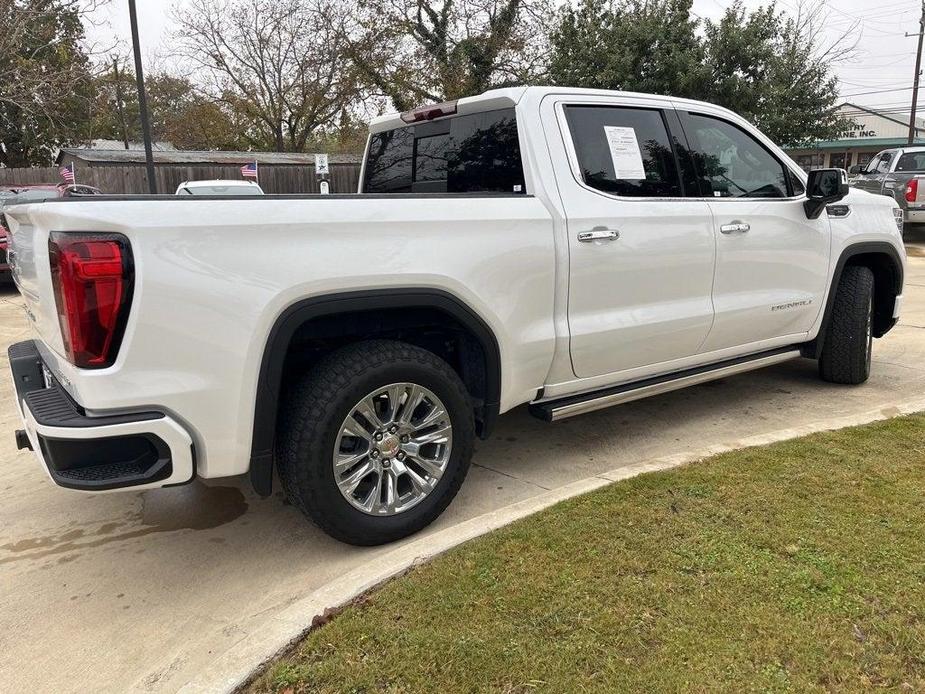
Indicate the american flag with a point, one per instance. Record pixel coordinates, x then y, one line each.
67 173
249 170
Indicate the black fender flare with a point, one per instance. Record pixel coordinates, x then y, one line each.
813 349
269 379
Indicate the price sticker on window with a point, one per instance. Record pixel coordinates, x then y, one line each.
624 152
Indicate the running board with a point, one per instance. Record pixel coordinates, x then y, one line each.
572 405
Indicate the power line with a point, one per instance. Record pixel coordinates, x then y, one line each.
862 84
879 91
877 67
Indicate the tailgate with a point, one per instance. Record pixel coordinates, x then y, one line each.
28 258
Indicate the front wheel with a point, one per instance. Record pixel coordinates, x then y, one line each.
375 441
846 351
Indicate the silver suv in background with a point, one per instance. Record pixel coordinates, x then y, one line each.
899 173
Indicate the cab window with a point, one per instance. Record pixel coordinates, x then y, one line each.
731 163
911 161
624 151
883 165
475 153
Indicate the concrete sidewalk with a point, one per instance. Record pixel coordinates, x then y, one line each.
145 591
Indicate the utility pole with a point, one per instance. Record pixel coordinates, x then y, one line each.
915 83
119 104
143 101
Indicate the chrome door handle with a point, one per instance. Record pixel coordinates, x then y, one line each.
735 228
598 234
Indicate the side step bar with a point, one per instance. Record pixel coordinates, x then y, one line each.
572 405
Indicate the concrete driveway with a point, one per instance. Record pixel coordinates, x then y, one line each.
142 591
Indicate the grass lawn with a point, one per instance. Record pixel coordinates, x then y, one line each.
791 567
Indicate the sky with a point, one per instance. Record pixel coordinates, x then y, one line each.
879 75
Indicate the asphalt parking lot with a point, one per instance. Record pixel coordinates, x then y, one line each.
139 591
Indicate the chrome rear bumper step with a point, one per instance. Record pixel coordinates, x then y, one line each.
572 405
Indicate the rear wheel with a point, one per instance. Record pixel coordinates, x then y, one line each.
375 441
846 351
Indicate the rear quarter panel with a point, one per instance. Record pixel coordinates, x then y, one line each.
213 276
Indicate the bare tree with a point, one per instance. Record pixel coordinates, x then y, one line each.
429 50
277 62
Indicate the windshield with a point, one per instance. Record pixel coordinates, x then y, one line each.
222 190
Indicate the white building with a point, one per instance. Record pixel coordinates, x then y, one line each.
873 132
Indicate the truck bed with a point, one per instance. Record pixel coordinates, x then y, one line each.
213 275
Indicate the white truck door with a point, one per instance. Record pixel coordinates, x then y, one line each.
641 254
771 260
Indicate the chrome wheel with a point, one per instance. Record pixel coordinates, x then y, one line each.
392 449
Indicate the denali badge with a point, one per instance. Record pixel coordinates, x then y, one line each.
791 304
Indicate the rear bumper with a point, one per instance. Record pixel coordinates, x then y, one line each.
137 450
915 215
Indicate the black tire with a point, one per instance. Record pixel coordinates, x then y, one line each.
316 406
846 351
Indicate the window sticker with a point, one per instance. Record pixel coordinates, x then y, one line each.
624 152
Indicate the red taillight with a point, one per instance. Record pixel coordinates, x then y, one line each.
92 276
912 190
447 108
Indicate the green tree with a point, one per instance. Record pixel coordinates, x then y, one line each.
46 86
770 67
639 45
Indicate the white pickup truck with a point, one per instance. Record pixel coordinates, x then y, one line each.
571 249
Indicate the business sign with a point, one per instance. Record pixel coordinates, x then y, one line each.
866 125
321 164
861 130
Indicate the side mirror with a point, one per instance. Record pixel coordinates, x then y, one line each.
856 169
823 187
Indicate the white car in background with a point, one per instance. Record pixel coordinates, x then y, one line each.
219 187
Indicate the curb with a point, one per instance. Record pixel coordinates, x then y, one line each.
235 667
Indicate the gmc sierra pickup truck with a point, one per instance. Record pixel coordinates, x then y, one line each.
563 248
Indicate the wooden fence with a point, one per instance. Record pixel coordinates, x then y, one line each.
131 179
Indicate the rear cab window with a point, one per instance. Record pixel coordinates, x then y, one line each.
911 161
472 153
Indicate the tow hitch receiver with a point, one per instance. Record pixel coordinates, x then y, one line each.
22 440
